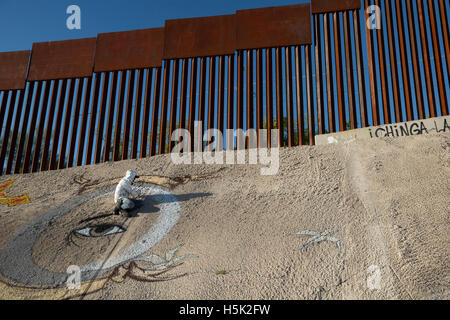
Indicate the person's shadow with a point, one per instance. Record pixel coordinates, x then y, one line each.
148 203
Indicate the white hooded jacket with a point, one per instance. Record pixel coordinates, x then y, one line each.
124 189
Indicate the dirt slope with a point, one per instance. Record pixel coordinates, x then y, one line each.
376 214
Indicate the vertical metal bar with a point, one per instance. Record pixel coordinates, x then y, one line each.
211 91
164 104
289 97
23 130
137 114
9 118
318 62
383 73
192 100
29 148
183 93
128 114
426 61
83 128
240 94
156 98
403 59
269 96
145 120
101 119
221 100
117 155
73 135
437 58
349 71
111 110
373 92
329 72
299 94
57 132
230 100
412 38
201 103
309 94
173 102
90 142
12 147
445 37
45 160
65 128
393 62
249 88
360 69
259 94
3 105
37 148
339 77
279 88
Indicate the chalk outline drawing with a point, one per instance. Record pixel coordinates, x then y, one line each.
11 201
317 237
21 278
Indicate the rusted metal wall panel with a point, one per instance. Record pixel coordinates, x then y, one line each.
273 27
62 59
199 37
129 50
323 6
13 69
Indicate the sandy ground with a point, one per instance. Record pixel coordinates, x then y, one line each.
379 208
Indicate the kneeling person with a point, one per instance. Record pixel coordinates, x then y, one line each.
124 191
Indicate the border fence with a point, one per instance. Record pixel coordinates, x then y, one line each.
304 69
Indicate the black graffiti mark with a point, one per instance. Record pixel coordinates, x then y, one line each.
84 183
405 129
163 181
446 126
133 271
100 216
93 231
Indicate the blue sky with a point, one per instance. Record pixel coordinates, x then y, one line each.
26 21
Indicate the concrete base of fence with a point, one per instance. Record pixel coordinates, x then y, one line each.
410 128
